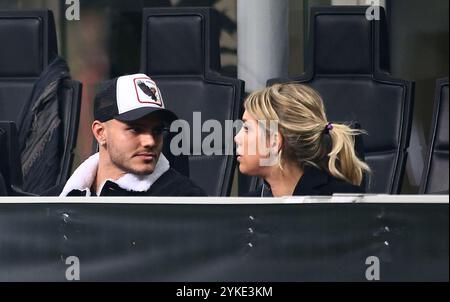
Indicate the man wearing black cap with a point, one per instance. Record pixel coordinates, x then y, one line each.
130 120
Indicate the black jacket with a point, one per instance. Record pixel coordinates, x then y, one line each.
314 182
171 183
40 130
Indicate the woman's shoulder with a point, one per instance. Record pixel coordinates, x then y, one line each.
314 182
318 182
336 185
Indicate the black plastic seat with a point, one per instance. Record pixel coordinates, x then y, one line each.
435 176
347 62
9 155
29 47
3 191
3 162
180 51
10 171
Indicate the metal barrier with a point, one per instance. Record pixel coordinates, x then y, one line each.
342 238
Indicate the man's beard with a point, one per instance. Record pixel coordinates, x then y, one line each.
131 170
119 162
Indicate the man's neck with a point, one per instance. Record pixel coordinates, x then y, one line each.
105 170
283 182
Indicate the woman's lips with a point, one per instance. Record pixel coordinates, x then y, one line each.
238 155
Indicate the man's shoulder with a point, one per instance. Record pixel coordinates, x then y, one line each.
173 183
57 190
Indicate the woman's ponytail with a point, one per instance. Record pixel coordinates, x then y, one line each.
343 162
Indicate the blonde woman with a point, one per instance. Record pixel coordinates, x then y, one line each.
304 154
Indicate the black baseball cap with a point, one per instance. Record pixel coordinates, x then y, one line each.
128 98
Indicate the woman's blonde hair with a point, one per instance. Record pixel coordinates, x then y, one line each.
308 138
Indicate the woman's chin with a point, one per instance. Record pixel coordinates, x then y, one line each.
242 169
245 170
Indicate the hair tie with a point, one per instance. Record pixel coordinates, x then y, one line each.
328 127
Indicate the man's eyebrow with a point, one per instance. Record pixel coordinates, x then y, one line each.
132 124
135 124
141 124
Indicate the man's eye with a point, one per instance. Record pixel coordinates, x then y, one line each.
157 131
134 129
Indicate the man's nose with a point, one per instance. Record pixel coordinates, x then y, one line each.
148 140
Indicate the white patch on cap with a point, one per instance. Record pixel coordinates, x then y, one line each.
137 91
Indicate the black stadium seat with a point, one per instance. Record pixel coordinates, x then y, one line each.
70 93
347 62
28 47
3 162
10 159
435 176
180 51
28 44
3 191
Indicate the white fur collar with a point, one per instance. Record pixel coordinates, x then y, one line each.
83 177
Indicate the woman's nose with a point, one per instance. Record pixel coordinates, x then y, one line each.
237 137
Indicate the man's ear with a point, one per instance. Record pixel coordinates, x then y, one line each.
99 131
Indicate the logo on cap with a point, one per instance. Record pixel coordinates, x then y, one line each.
146 91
